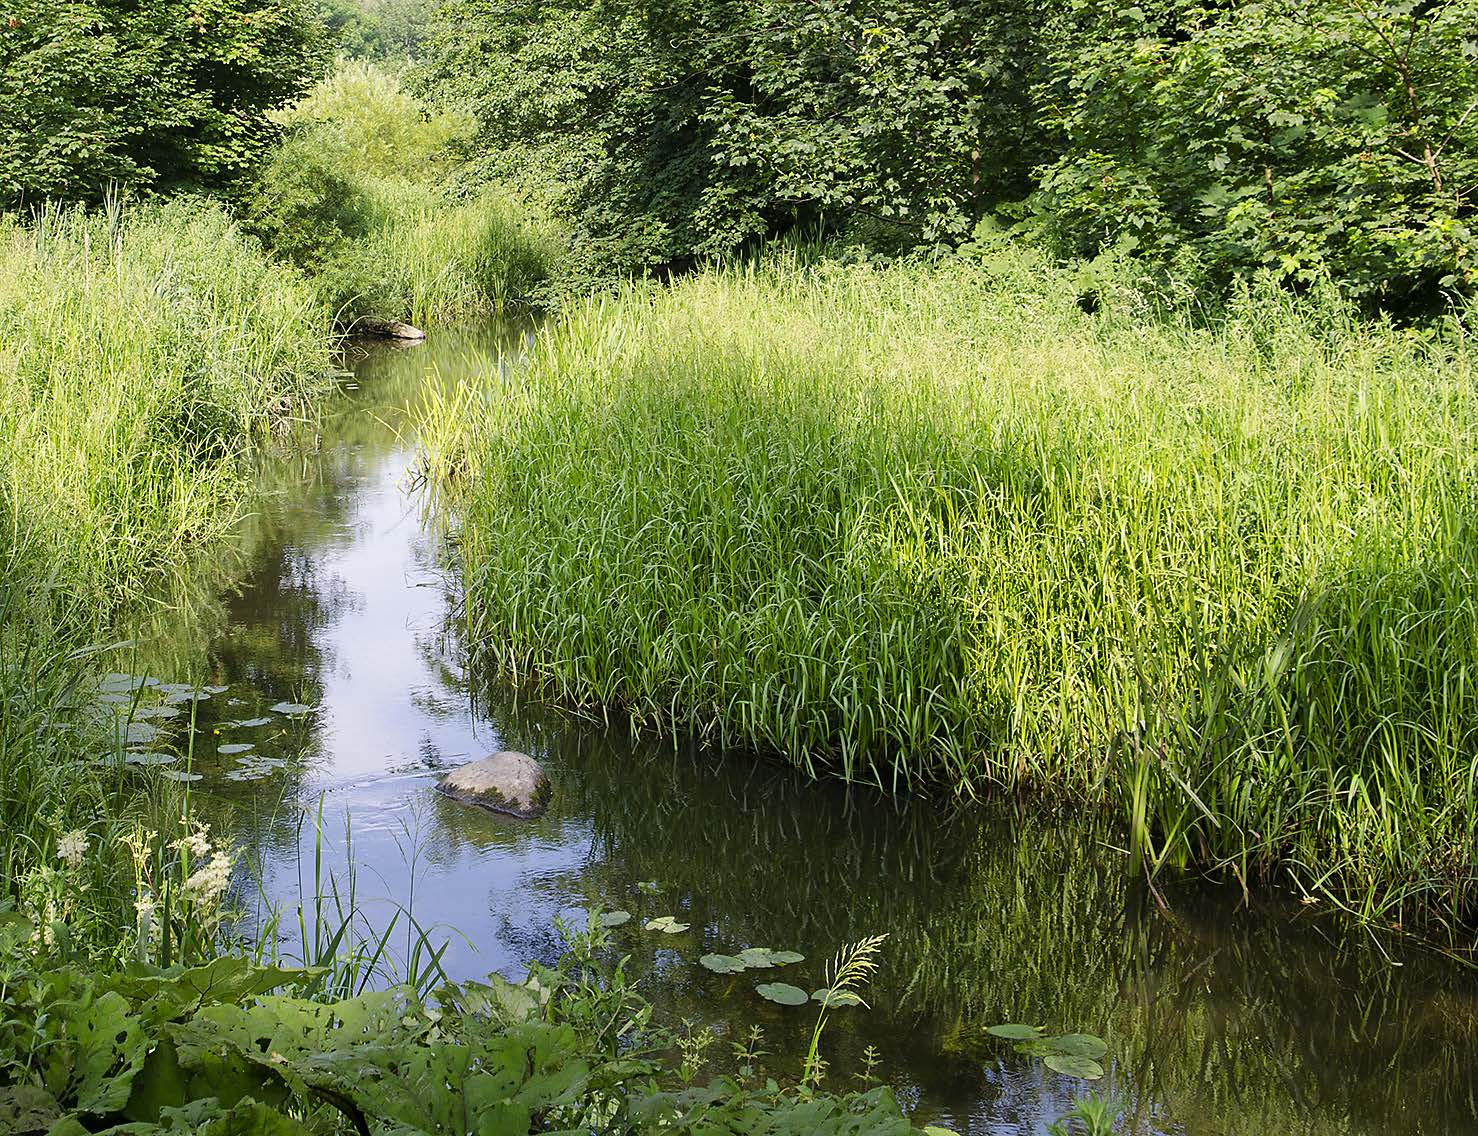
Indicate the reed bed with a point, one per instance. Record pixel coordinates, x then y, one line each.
941 530
144 351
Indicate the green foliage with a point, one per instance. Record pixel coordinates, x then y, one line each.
1305 138
1298 136
220 1048
357 197
938 528
169 95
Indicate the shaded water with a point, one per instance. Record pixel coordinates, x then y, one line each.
1219 1018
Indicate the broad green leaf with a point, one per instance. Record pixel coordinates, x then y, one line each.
1015 1031
614 918
1070 1066
290 708
783 993
235 747
666 924
722 964
1075 1045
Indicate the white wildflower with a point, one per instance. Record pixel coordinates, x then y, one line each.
197 843
209 883
72 847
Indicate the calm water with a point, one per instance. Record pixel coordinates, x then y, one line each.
1219 1019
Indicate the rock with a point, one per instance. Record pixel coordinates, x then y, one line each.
388 329
508 782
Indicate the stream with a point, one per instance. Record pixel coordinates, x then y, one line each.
339 693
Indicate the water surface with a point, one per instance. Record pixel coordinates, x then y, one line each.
1221 1018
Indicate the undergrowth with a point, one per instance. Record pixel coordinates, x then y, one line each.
940 529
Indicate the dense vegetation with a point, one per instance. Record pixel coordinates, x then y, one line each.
169 95
1301 137
939 529
357 196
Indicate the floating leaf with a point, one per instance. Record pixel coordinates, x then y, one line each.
156 712
136 758
214 689
1070 1066
290 708
1075 1045
249 723
783 993
666 924
123 684
235 747
1015 1031
722 964
115 699
758 958
179 775
614 918
838 997
186 696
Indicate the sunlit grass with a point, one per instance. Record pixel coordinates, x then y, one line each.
940 530
144 352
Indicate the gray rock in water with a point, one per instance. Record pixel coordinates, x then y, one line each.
508 782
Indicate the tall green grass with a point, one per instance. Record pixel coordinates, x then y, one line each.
144 352
361 196
938 529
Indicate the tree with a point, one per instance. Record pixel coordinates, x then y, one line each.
166 95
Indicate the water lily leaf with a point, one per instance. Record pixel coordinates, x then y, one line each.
666 924
214 689
1075 1045
1070 1066
249 723
135 733
1015 1031
123 684
759 958
783 993
290 708
135 757
156 712
614 918
179 775
838 997
235 747
114 699
785 958
176 697
722 964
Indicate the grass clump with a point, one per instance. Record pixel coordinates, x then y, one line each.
940 529
146 349
359 195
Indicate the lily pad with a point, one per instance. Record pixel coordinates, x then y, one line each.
214 689
758 958
837 997
667 925
179 696
134 733
290 708
783 993
156 712
115 698
614 918
1075 1045
1070 1066
1015 1031
134 757
178 775
235 747
249 723
722 964
123 684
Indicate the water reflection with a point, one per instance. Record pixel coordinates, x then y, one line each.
1219 1020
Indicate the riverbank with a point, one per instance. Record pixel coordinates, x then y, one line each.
942 530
